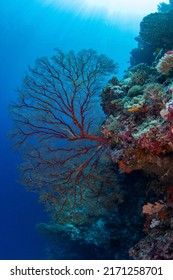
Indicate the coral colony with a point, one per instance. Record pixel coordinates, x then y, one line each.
109 184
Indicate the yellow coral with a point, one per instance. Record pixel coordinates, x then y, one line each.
134 109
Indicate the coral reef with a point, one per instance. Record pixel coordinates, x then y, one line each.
158 244
107 186
165 64
157 29
138 75
140 130
111 234
143 53
155 36
163 7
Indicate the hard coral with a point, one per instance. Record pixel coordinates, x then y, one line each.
141 136
139 74
110 96
157 29
135 90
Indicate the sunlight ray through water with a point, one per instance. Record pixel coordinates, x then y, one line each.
109 8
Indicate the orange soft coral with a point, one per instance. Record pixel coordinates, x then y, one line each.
150 209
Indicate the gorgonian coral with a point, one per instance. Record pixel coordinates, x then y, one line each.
55 128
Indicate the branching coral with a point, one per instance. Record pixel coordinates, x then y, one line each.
56 130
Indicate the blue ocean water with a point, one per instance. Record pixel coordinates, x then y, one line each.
28 30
